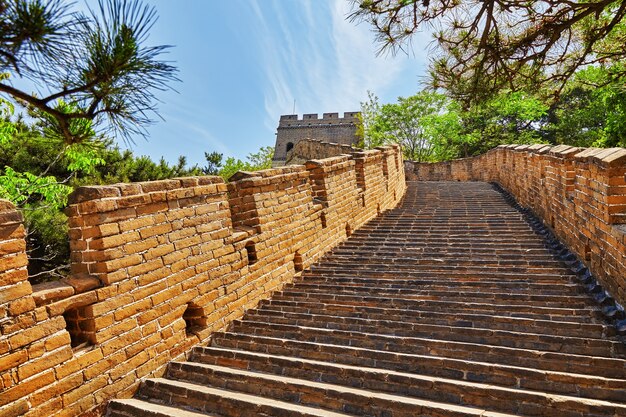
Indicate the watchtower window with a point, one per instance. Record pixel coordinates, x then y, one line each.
289 146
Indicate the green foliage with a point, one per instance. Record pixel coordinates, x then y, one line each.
369 134
254 162
509 117
97 70
47 244
483 47
592 109
426 125
30 191
214 162
431 127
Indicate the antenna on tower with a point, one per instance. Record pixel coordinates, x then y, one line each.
294 106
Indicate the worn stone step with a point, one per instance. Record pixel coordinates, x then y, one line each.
441 267
519 339
297 356
456 307
471 235
553 327
442 276
496 317
386 240
536 255
552 298
231 403
502 397
573 302
539 343
526 286
226 403
390 353
138 408
539 254
330 396
412 260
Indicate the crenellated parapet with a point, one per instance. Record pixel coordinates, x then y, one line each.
158 266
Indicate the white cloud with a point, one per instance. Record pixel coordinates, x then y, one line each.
313 55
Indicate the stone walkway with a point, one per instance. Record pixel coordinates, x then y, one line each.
448 305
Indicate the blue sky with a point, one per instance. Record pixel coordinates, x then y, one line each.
243 63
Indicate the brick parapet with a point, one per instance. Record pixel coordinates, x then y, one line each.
580 193
158 266
307 149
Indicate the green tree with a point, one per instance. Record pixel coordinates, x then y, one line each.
214 163
592 109
509 117
426 125
254 162
367 130
95 67
485 46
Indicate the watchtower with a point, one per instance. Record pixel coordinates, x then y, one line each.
330 128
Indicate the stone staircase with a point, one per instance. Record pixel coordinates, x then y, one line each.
448 305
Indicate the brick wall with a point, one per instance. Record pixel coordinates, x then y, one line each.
158 266
307 149
580 193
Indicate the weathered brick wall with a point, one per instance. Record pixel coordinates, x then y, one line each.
580 193
158 266
307 149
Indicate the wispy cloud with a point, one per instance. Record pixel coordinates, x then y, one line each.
313 55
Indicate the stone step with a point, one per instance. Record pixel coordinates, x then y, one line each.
527 286
412 260
436 223
442 276
497 317
573 302
496 396
471 234
507 344
262 352
448 292
455 307
138 408
539 257
454 252
225 403
484 321
516 339
440 265
390 353
393 240
331 396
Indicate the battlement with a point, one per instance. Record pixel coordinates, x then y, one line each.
330 128
158 266
309 119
